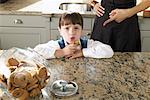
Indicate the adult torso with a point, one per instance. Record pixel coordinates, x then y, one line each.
118 3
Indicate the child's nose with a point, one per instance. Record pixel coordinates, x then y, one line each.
71 31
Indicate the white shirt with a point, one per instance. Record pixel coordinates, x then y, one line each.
95 49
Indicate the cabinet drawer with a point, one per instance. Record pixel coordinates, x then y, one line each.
21 37
144 23
145 40
21 21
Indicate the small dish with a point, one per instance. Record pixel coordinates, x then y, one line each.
64 88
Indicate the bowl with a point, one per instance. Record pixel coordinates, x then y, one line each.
75 7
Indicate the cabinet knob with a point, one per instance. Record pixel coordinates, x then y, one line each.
18 21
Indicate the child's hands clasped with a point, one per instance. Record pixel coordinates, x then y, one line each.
69 49
72 51
76 54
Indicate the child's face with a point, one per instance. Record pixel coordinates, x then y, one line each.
71 33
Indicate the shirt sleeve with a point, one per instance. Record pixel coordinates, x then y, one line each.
96 49
47 50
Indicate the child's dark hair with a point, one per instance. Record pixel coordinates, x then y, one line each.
71 18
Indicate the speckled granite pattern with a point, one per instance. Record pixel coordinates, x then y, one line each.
126 76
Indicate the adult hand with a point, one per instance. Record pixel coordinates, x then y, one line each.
99 9
117 15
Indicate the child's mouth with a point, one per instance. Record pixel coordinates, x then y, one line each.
72 39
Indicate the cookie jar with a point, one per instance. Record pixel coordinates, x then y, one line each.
24 74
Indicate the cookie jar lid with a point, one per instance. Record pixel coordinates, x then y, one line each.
64 88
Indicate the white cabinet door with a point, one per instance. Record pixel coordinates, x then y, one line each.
145 40
23 30
21 37
55 34
144 24
87 23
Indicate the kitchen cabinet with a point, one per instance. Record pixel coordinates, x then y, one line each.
54 33
145 33
88 21
22 31
145 40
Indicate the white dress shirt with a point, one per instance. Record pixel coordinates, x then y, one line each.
95 49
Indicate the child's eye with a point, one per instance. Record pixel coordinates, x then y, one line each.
76 28
67 28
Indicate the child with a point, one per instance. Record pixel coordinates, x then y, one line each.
71 45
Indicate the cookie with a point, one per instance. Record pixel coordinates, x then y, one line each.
21 94
18 92
77 42
35 92
32 86
24 96
20 79
42 73
28 76
13 62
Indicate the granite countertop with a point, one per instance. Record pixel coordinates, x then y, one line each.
125 76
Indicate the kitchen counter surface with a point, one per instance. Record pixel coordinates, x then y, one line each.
34 7
125 76
43 7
